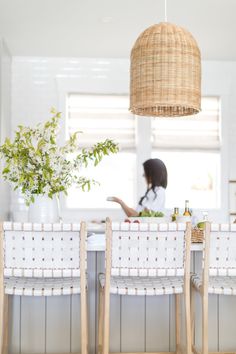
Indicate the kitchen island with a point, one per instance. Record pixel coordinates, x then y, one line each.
138 323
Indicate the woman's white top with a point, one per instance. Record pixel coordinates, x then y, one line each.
153 201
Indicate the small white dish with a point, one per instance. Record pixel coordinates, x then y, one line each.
110 199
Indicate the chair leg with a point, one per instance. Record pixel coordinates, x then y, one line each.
1 320
84 323
5 335
177 322
205 324
106 326
192 316
4 324
188 323
100 319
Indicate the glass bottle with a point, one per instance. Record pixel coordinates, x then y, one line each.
205 215
175 214
186 210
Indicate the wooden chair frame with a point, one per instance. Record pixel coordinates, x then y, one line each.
204 299
104 301
83 295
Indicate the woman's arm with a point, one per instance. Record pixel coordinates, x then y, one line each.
128 211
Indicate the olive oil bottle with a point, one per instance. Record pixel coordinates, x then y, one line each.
186 210
175 214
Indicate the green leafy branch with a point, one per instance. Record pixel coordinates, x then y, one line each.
35 163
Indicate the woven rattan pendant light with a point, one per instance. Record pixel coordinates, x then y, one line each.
165 73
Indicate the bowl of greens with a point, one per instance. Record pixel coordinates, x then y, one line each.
150 216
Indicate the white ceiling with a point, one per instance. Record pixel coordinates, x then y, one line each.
108 28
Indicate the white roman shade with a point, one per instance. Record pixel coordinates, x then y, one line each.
201 131
100 117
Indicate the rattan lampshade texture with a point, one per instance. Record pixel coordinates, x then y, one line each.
165 73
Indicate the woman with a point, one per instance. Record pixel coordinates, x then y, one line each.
155 173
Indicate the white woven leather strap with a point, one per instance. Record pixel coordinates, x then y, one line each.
148 249
222 261
41 250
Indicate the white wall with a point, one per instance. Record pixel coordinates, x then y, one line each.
5 117
40 83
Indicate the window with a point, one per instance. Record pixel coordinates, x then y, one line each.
100 117
190 147
194 176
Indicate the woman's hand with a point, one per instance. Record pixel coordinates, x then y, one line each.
128 211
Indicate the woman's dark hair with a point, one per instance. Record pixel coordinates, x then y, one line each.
156 174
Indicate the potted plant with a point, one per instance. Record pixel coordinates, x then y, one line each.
35 163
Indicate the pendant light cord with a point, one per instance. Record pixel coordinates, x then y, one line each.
165 10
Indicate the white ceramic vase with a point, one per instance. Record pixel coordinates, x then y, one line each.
44 210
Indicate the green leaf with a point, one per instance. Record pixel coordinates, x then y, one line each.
6 170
